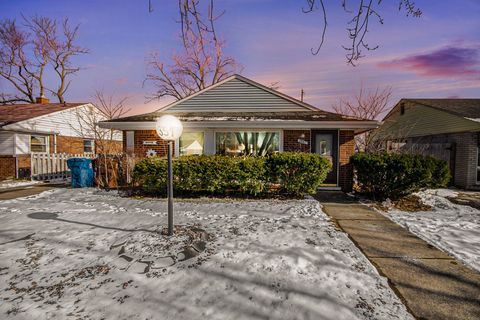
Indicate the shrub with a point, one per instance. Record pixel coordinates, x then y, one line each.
296 173
388 175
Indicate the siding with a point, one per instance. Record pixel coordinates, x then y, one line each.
236 96
419 120
22 145
6 143
65 123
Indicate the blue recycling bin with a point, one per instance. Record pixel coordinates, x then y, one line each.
82 172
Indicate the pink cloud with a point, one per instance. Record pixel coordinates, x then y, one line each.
461 62
121 81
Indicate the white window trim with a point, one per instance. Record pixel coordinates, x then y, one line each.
129 148
47 143
176 151
280 132
93 146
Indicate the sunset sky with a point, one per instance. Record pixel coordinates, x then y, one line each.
436 55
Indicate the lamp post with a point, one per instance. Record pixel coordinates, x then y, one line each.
169 128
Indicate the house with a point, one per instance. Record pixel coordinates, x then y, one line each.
238 116
448 129
44 127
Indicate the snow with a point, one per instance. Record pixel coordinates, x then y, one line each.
6 184
90 254
450 227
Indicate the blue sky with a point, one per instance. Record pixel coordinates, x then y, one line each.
437 55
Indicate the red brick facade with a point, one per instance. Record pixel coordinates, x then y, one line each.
291 137
9 164
346 150
290 143
7 167
140 149
74 145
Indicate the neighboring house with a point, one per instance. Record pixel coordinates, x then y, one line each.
238 116
448 129
45 128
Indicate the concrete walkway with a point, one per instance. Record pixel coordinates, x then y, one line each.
25 191
432 284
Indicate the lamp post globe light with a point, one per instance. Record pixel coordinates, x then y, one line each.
169 128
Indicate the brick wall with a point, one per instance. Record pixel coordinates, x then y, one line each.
346 150
140 150
464 164
7 167
290 140
465 159
72 145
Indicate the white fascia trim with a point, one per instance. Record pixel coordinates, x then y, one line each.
289 124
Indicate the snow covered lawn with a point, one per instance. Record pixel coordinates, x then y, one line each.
89 254
451 227
7 184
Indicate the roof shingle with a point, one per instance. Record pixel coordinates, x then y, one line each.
468 108
20 112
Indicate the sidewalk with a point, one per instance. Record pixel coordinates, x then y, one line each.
25 191
432 284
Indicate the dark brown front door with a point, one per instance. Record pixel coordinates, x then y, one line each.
325 143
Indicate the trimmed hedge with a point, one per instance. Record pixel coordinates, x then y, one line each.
292 173
389 175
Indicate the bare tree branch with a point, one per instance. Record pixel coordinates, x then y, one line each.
26 53
201 62
15 67
359 25
369 105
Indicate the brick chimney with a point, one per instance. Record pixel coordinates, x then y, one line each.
42 100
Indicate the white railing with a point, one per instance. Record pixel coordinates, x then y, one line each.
53 166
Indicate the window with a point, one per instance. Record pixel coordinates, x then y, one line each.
191 143
88 146
130 143
247 143
402 109
38 144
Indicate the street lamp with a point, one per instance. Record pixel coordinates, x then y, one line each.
169 128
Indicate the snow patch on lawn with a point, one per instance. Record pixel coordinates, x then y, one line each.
451 227
62 257
7 184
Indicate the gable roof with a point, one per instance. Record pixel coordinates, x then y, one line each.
237 94
20 112
465 108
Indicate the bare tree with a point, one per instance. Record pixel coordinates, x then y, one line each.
369 105
104 108
26 52
61 47
201 62
15 66
360 23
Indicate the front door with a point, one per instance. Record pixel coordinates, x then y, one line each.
325 143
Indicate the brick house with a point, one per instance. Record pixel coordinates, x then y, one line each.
45 128
238 116
448 129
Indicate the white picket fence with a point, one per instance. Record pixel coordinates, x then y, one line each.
53 166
